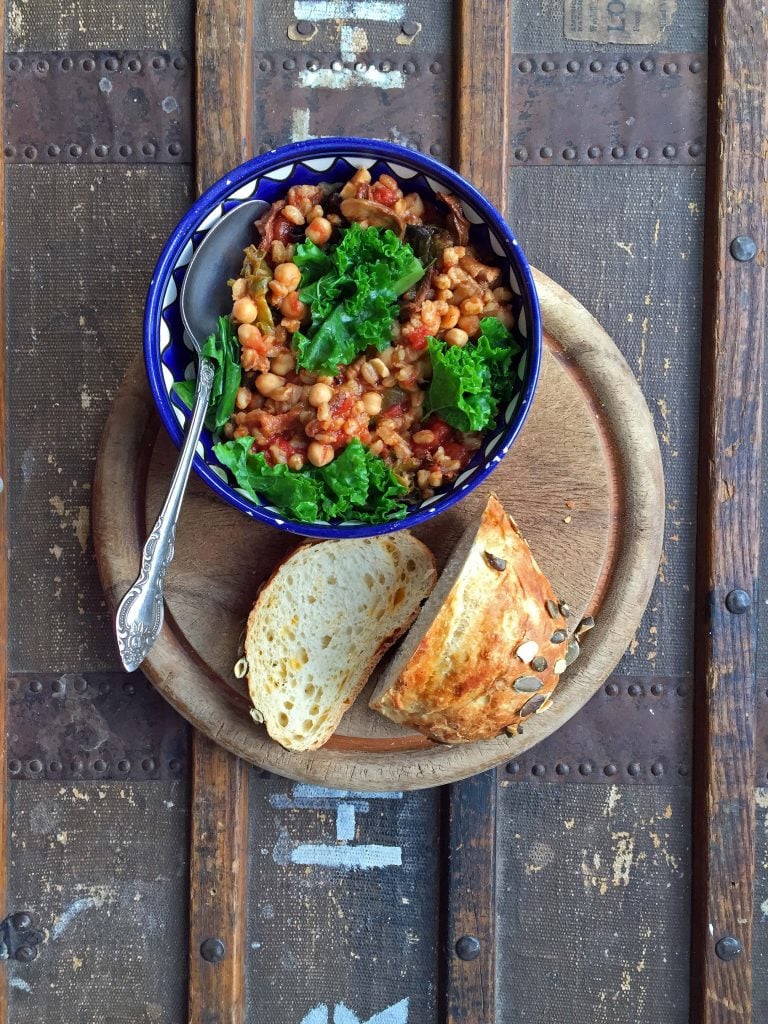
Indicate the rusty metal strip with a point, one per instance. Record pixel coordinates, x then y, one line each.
403 98
113 106
608 108
95 726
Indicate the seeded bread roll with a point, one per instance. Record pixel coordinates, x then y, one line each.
489 645
320 625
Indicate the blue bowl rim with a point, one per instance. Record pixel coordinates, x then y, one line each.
339 146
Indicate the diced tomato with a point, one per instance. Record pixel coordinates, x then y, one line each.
456 451
382 194
440 429
398 408
417 338
283 444
340 406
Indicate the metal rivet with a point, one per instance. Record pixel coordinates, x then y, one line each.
669 151
634 769
104 686
695 149
305 28
101 150
212 950
634 689
158 63
657 689
385 65
647 64
55 766
617 152
563 769
76 765
573 65
133 64
586 768
148 764
88 64
612 689
35 766
521 154
75 151
14 766
179 63
738 601
337 65
361 66
670 68
547 65
174 764
610 769
728 948
15 64
35 686
435 149
30 152
42 66
9 152
657 768
682 769
695 67
21 921
409 67
468 947
525 66
25 954
545 152
111 64
513 767
622 65
57 686
410 28
175 149
99 766
743 249
129 688
148 149
593 152
435 67
265 65
80 684
538 770
642 153
569 153
289 64
682 690
123 765
596 65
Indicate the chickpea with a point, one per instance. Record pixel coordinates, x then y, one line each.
278 455
293 307
380 367
324 413
245 310
293 214
283 363
423 437
242 398
470 324
414 204
266 383
502 294
388 182
288 275
314 213
372 403
291 325
240 432
228 430
296 462
472 306
443 281
457 337
320 454
422 478
450 319
319 231
319 394
278 290
239 288
435 478
248 335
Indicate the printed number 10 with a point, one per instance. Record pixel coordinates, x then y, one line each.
616 10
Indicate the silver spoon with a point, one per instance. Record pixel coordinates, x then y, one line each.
204 294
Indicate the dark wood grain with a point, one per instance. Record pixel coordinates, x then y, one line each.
218 877
728 532
470 992
223 54
481 98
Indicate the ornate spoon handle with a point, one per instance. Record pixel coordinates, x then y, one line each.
140 614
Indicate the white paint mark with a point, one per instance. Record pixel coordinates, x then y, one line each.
105 85
300 126
353 857
170 105
352 40
71 912
345 822
613 798
347 78
764 909
20 983
395 1014
340 10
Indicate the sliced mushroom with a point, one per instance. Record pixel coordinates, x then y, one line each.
373 215
457 222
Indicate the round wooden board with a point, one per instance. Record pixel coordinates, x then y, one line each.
583 481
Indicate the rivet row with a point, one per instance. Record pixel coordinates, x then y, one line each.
647 64
101 151
43 66
570 153
587 768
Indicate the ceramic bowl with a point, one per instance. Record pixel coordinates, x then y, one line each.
169 357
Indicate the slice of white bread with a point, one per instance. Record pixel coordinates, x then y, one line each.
489 645
320 625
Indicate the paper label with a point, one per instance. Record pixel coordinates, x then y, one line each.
618 21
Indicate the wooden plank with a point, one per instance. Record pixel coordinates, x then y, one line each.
219 820
728 529
223 54
4 594
481 154
218 880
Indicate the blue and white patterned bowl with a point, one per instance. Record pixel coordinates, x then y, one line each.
268 177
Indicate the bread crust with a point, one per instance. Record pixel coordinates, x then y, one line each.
463 680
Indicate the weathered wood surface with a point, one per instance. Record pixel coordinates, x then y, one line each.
4 594
729 514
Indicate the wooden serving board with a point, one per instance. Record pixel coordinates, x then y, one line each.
583 480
